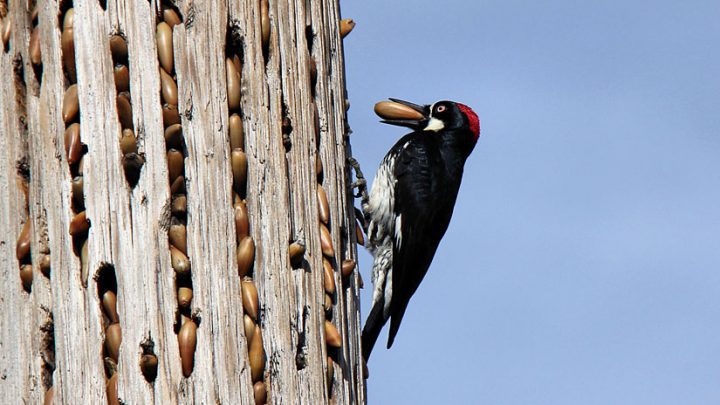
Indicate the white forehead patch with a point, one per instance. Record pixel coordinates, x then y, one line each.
434 124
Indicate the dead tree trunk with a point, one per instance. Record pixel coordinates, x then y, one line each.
176 223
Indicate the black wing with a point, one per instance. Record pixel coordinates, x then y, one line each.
424 201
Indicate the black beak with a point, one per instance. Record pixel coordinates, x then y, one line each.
416 124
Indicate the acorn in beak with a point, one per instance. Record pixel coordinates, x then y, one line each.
403 113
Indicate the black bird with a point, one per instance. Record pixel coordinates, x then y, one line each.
410 206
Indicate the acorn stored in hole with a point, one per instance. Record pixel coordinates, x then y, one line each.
79 224
168 88
173 136
326 241
318 168
250 298
237 138
391 110
346 25
347 267
256 355
327 304
71 104
170 115
179 205
73 143
6 29
148 366
128 143
332 336
26 276
312 67
170 17
265 23
45 264
113 338
109 304
124 109
49 396
34 47
242 222
22 247
67 43
187 339
118 49
296 251
177 234
323 206
245 255
260 393
330 372
132 163
164 39
239 169
112 390
233 85
178 186
84 263
328 277
249 326
180 263
184 296
121 75
359 234
176 164
69 19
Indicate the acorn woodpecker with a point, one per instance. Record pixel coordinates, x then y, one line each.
411 202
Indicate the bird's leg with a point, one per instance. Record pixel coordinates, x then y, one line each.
361 184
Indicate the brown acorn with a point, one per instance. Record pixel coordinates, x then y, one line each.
242 222
26 276
260 393
323 206
49 398
179 205
80 166
118 49
121 75
238 63
245 255
256 355
187 339
332 336
391 110
237 138
22 247
113 338
239 169
327 304
6 30
79 224
132 163
177 234
67 43
164 39
124 109
318 168
178 186
326 241
359 234
330 372
249 326
170 115
69 18
296 251
128 143
170 17
176 164
233 84
347 267
34 47
265 23
71 104
184 296
73 143
112 390
173 136
148 366
180 263
45 264
328 277
168 88
250 298
109 304
312 67
346 25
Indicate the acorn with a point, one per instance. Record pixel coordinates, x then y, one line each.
176 164
326 241
124 109
332 336
312 67
242 222
330 372
84 263
168 88
296 251
69 19
323 206
6 29
359 234
177 234
49 398
109 304
67 42
187 339
118 49
347 267
170 17
22 247
121 75
249 326
346 25
184 297
132 163
256 355
391 110
250 298
173 136
328 277
128 143
73 143
45 264
233 85
245 255
34 47
26 276
113 338
71 104
164 39
180 263
238 63
149 366
178 186
237 138
112 390
260 393
318 168
179 205
327 304
79 224
80 166
239 169
170 115
265 23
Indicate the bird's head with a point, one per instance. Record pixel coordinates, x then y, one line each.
440 116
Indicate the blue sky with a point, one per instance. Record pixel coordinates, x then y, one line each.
582 265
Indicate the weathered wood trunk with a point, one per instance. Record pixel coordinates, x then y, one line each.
141 182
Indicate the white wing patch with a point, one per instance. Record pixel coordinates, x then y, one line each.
398 231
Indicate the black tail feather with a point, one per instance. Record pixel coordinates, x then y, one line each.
373 326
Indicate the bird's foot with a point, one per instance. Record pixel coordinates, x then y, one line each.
360 183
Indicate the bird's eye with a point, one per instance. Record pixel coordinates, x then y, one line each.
441 109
